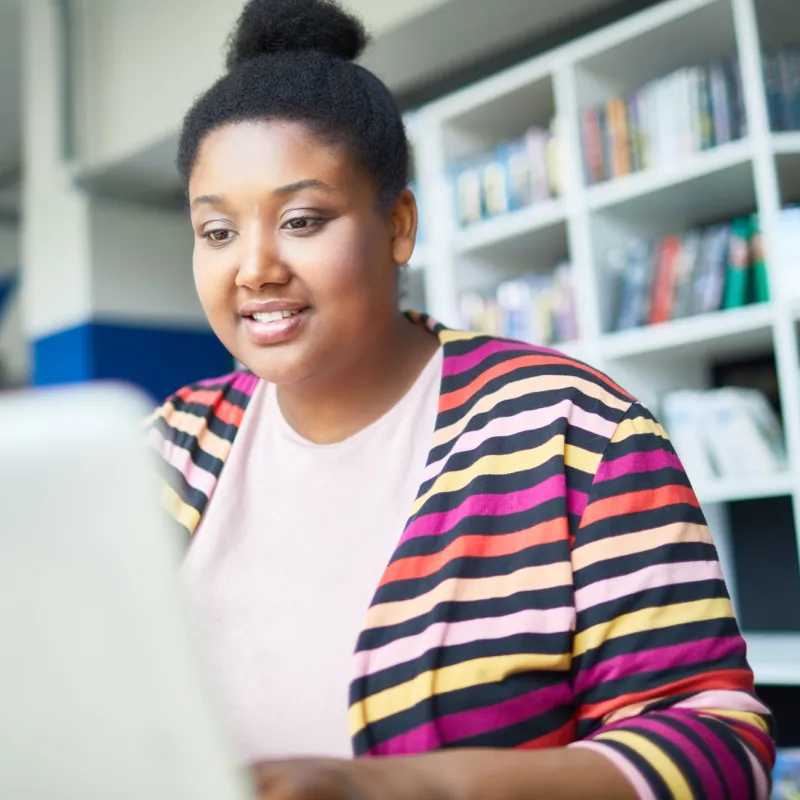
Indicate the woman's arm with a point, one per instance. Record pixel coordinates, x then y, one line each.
557 774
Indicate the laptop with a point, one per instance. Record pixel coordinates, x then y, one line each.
101 693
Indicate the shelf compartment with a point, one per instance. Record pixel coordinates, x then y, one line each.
535 224
774 657
703 186
729 490
719 334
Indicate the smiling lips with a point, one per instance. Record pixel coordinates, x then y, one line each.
273 322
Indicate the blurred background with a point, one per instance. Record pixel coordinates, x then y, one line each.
619 180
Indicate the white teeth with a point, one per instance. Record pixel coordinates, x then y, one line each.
273 316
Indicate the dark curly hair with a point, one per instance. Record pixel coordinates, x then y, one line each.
292 60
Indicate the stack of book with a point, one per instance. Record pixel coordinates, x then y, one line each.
722 433
539 309
782 84
708 269
514 175
690 110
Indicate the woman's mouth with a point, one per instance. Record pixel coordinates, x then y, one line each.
275 327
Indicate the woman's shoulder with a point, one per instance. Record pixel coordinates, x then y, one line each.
225 398
479 367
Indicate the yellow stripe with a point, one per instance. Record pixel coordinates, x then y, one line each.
524 387
678 786
637 427
447 336
651 619
748 717
506 464
183 513
584 460
476 672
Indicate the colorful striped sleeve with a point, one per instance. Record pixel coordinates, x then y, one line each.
661 681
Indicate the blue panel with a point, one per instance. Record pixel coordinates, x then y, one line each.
63 357
158 360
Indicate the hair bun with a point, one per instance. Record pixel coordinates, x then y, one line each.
275 26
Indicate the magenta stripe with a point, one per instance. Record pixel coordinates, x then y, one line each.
245 382
535 419
712 788
487 505
637 462
454 365
452 728
216 383
729 765
661 658
576 502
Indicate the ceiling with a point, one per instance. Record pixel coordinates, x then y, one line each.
446 37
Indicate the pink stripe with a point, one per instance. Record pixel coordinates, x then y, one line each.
487 505
637 462
454 365
642 788
659 659
443 634
672 574
759 773
721 699
452 728
504 427
712 788
179 458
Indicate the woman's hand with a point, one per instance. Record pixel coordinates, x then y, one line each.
332 779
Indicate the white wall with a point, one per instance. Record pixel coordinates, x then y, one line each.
144 62
142 266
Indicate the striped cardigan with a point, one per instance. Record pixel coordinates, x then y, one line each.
555 584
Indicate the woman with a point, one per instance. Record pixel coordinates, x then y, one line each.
552 621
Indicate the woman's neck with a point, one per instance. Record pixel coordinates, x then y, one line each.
339 406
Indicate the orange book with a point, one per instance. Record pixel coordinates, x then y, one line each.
617 112
669 251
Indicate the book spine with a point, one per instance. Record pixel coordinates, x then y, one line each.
760 288
706 110
720 106
737 273
592 145
774 90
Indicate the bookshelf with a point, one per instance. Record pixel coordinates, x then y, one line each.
757 170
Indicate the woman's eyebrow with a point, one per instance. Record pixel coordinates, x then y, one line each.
208 200
298 186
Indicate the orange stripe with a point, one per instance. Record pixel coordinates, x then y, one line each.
205 397
633 502
229 413
725 680
558 738
476 546
460 396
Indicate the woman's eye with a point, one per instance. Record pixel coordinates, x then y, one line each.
302 223
219 236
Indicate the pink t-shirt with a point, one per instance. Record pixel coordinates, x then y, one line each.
287 558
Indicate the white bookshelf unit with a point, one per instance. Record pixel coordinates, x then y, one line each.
758 172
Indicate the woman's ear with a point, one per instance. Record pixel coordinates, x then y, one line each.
403 218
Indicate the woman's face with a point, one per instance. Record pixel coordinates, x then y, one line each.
295 263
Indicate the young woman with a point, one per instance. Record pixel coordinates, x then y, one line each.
492 545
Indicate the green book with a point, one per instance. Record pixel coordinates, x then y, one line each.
737 272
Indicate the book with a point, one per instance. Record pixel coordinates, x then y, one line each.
737 270
759 291
668 252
